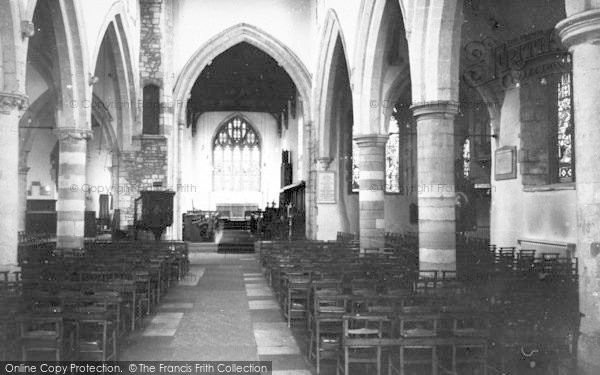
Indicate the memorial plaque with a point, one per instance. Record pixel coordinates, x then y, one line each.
506 163
326 187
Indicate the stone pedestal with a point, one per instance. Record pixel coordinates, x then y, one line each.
10 106
581 34
371 196
70 208
436 198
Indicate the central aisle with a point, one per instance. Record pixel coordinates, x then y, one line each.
222 311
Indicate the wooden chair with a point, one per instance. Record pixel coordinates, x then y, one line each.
506 258
45 333
325 327
360 345
96 327
297 297
525 260
417 352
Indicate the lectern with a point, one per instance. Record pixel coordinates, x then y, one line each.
156 211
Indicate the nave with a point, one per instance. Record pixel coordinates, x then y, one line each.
308 306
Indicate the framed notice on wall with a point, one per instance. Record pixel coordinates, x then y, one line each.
505 165
326 187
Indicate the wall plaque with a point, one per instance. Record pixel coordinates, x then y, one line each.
505 165
326 187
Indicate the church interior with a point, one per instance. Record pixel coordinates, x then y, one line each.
318 186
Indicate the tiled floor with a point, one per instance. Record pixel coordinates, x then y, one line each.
223 310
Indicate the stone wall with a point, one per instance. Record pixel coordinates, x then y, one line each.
140 170
151 40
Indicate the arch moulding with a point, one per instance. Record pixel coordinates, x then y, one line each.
323 85
228 38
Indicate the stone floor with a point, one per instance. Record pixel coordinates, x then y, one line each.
223 310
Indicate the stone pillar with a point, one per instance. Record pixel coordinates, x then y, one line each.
371 196
23 170
10 107
70 207
581 34
436 198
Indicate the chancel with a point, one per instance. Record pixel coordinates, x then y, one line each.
304 186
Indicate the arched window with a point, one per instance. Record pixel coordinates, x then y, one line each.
393 165
236 157
151 110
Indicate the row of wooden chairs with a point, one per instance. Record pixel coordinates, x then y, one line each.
78 305
323 282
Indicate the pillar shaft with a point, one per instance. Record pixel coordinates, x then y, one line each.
581 33
10 107
70 208
372 188
436 199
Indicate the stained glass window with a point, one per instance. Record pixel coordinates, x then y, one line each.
565 129
355 167
392 158
236 157
466 154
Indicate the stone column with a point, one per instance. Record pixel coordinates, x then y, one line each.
436 197
581 34
371 195
10 107
70 207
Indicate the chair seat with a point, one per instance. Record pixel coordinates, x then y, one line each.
332 309
418 332
298 306
87 346
39 334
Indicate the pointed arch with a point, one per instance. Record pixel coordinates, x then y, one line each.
125 100
399 84
73 67
39 109
117 27
103 117
324 81
230 37
369 76
12 71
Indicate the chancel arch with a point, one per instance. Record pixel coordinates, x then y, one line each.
289 113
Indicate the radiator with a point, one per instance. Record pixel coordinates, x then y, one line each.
565 249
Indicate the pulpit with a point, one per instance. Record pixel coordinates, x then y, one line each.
154 211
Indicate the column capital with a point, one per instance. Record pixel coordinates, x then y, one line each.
12 100
72 134
439 109
323 162
371 140
580 28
